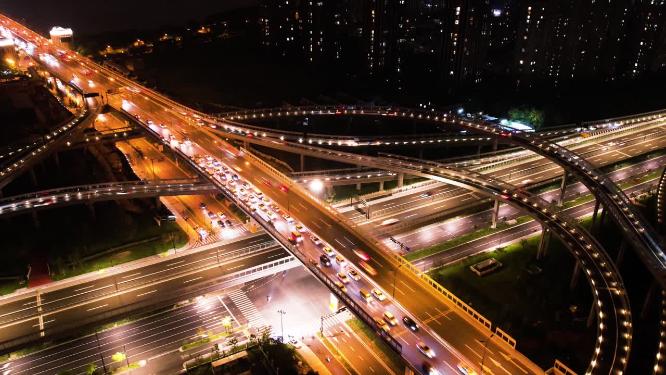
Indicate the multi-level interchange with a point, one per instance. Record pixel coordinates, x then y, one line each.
198 139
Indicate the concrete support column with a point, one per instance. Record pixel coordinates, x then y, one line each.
420 153
158 202
381 187
478 150
35 219
620 253
358 186
495 144
401 179
33 176
590 316
575 276
496 206
648 300
595 212
563 189
302 162
91 208
246 145
57 159
544 242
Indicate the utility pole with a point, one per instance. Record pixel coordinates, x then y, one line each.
99 349
485 350
282 314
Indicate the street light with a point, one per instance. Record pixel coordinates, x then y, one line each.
282 314
316 186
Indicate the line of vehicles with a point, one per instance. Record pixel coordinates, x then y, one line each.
344 274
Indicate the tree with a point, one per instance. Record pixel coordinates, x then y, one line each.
91 368
530 116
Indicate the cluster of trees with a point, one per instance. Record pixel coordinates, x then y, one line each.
528 116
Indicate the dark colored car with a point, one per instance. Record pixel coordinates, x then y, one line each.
326 261
410 323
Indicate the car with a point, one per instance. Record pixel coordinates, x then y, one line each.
295 343
425 349
288 218
466 369
367 297
341 286
340 260
295 237
429 370
390 318
221 215
344 278
367 268
410 323
221 223
202 205
353 274
325 261
228 222
381 324
381 297
315 240
362 254
328 251
301 228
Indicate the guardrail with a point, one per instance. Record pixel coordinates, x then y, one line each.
462 306
661 199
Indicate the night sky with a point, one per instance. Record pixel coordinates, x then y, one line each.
92 16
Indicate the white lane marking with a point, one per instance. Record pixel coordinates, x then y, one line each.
191 280
143 294
98 307
132 275
84 288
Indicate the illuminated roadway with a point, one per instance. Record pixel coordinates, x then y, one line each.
71 303
100 192
208 143
635 228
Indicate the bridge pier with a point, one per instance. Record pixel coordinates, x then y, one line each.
590 316
495 143
645 310
574 276
381 187
563 189
401 179
544 242
91 208
421 153
496 207
158 202
33 176
302 162
35 219
478 151
57 159
358 186
620 253
595 213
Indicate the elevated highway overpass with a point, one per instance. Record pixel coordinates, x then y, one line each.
183 121
101 192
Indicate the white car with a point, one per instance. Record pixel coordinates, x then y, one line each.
353 274
379 295
465 369
315 240
288 218
425 349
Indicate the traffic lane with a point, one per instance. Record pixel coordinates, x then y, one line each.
75 313
357 353
437 233
507 235
85 344
165 291
97 288
334 231
538 169
140 340
21 307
